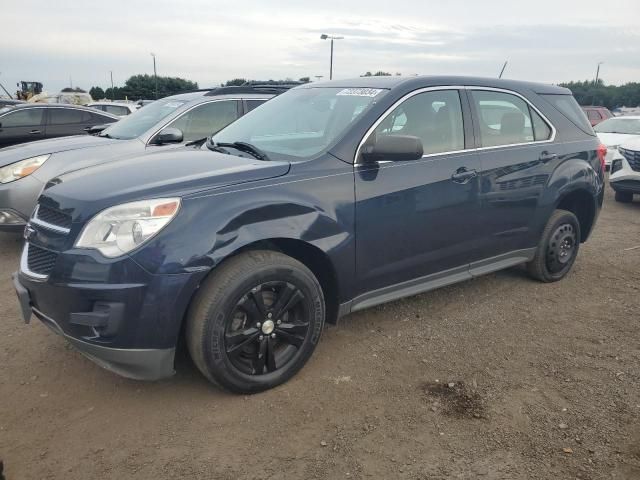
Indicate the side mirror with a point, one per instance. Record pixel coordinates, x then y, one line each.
395 148
168 135
93 129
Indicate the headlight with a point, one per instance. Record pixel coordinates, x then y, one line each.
22 168
118 230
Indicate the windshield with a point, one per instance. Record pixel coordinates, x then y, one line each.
140 121
302 122
629 126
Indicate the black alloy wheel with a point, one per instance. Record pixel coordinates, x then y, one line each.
255 321
267 327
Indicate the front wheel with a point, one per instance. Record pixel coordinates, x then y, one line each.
558 247
255 321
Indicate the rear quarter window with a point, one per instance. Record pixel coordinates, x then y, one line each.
568 106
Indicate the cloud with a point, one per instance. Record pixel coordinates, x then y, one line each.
210 42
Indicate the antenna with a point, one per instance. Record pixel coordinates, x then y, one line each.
503 67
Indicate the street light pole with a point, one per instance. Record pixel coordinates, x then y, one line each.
324 36
155 74
598 73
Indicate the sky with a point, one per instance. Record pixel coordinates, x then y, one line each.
62 43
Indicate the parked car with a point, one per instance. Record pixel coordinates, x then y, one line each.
328 199
625 171
597 114
615 131
7 102
36 121
120 109
168 123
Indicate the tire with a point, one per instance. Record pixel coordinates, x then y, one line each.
558 248
255 321
624 197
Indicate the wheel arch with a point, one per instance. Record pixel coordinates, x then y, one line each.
306 253
582 204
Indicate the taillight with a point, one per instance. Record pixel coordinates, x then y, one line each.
602 153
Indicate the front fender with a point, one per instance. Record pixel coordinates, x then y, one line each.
315 207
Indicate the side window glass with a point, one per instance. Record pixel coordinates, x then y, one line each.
205 120
541 131
251 104
23 118
116 109
435 117
504 119
64 116
594 115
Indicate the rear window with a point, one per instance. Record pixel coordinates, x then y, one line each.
568 106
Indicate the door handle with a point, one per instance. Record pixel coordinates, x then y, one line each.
547 156
463 175
34 132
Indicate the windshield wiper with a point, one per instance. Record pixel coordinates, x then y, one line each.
196 142
247 148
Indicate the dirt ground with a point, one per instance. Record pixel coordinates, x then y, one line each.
497 378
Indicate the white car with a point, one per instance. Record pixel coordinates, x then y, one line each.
625 171
615 131
121 109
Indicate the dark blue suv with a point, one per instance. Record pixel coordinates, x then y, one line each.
328 199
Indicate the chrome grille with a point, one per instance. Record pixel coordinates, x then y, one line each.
632 157
39 260
52 216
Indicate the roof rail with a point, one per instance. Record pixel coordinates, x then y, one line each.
261 88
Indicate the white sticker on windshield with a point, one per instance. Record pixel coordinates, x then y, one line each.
360 92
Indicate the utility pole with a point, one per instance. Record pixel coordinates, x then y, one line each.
324 36
503 67
5 90
155 74
597 73
112 91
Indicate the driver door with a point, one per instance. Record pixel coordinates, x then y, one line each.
416 220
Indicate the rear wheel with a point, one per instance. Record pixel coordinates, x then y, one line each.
624 197
558 248
256 321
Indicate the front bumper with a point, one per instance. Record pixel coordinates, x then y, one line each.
135 363
626 186
117 314
19 199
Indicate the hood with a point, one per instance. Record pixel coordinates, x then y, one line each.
169 173
633 144
615 139
15 153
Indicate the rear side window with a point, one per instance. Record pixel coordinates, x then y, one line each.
23 118
568 106
251 104
504 119
594 115
116 109
434 117
67 116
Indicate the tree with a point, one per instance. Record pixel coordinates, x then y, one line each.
379 73
96 93
144 87
235 82
590 93
305 79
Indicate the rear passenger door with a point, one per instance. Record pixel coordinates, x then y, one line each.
416 220
21 125
516 152
63 122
